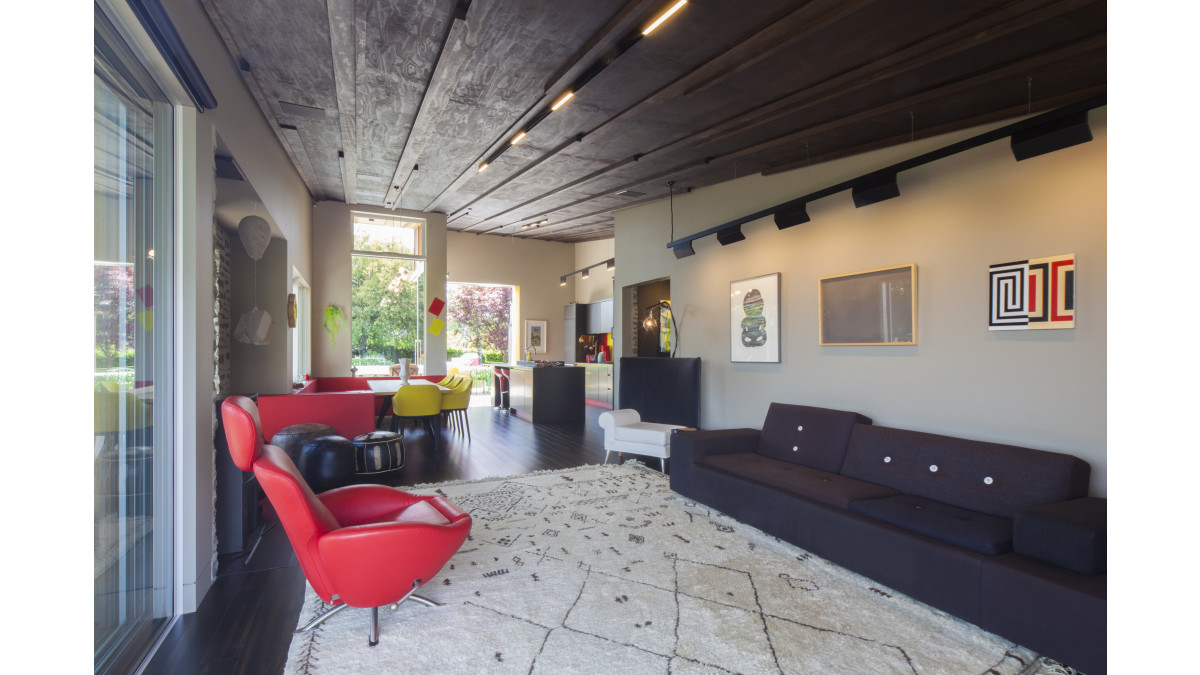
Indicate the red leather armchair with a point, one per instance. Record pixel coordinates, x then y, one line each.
359 545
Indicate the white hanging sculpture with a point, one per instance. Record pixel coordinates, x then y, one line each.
255 233
254 326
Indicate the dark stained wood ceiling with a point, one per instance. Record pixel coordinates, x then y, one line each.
397 103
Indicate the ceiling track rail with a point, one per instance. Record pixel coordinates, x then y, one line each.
888 174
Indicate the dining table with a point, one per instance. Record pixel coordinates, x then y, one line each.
384 390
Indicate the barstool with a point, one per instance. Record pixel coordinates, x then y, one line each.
501 388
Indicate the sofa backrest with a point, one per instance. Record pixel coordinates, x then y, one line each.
991 478
801 434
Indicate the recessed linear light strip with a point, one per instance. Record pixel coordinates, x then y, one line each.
592 71
1047 132
665 15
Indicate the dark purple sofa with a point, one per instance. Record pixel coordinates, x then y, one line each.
1001 536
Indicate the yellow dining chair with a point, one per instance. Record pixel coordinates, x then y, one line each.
454 405
418 401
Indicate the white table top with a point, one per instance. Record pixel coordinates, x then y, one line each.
392 386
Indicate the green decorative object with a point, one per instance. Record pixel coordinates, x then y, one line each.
334 320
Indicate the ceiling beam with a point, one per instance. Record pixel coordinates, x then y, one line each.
906 103
455 54
813 16
602 39
983 27
990 117
988 25
299 160
732 57
343 46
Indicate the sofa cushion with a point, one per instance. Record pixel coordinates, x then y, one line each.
821 486
650 433
996 479
1073 534
979 532
802 434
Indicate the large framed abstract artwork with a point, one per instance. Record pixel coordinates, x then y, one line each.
1035 294
754 319
875 307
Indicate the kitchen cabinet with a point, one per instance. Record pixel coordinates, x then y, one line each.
600 317
599 382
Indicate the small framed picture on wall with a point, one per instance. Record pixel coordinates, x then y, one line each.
535 335
754 320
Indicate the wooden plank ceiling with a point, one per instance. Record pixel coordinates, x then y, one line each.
393 103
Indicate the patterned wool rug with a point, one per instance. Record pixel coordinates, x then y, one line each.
603 569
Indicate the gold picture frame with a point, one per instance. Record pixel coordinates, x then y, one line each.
871 308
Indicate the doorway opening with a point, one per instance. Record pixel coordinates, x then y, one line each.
648 328
479 333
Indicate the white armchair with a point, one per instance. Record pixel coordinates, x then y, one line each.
624 431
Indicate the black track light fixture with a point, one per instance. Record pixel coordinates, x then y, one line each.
792 216
875 189
730 235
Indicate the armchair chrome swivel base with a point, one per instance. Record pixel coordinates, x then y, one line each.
374 637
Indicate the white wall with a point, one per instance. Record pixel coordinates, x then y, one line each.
1041 389
266 166
599 284
534 267
333 238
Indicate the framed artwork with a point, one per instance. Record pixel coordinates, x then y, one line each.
1035 294
754 320
535 335
876 307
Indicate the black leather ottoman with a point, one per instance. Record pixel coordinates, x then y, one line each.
327 462
378 455
292 439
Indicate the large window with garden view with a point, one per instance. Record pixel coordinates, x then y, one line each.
387 320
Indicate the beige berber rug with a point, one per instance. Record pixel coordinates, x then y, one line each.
602 569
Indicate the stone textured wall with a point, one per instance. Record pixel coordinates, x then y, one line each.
222 313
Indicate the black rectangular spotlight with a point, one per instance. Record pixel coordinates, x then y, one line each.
730 235
796 215
1054 135
684 250
878 189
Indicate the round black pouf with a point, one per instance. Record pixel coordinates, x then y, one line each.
378 453
292 438
327 462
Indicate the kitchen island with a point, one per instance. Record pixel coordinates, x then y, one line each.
541 393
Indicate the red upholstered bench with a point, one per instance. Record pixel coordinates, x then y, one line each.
345 403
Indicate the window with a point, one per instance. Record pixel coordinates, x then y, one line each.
133 271
387 315
302 335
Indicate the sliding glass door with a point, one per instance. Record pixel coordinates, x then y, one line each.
133 347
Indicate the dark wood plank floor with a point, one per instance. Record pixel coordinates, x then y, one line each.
245 621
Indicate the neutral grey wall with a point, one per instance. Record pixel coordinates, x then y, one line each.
261 369
333 239
599 284
1041 389
534 267
266 166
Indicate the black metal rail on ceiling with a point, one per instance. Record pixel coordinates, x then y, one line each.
1026 131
